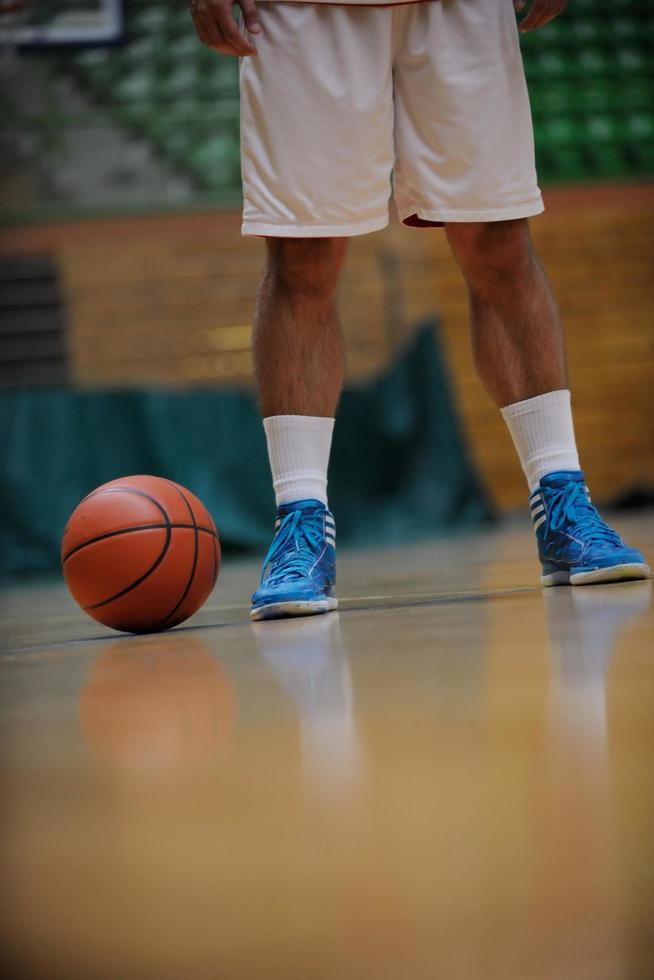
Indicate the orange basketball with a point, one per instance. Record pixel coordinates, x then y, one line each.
140 554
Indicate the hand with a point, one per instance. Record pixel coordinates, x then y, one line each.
541 13
216 27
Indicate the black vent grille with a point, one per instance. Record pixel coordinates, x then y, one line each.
32 322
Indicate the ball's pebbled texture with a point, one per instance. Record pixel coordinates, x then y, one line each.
140 554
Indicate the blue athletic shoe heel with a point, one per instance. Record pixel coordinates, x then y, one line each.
299 571
575 546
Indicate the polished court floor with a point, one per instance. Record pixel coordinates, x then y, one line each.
452 777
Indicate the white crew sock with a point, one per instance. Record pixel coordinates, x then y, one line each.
298 450
543 434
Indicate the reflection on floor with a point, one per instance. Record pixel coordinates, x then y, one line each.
449 778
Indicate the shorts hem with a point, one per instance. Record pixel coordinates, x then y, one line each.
264 229
442 215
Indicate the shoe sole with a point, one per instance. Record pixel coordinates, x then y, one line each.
613 573
281 610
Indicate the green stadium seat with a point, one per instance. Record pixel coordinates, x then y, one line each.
548 66
132 116
596 96
608 160
553 98
591 62
631 60
640 127
184 48
553 35
140 53
216 162
637 93
151 19
218 79
138 86
584 32
562 130
625 29
600 130
179 82
562 163
95 67
584 7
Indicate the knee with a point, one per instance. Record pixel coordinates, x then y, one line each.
491 249
307 265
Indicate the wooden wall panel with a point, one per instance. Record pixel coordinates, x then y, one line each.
168 300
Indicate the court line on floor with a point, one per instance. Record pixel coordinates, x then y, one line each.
350 604
361 603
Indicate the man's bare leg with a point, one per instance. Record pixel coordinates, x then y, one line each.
517 334
517 341
299 360
298 342
519 352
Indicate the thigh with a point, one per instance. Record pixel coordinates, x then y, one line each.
464 137
317 121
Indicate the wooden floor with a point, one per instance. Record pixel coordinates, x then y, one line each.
450 778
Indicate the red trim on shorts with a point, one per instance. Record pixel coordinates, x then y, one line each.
395 3
413 221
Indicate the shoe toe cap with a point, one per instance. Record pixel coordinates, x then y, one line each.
617 556
284 592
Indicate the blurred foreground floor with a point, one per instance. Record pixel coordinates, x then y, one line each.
450 778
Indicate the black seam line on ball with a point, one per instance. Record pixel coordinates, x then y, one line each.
195 559
215 559
131 530
134 490
155 564
123 489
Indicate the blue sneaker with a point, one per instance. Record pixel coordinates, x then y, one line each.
299 571
575 546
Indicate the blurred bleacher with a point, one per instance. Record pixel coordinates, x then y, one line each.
167 87
591 81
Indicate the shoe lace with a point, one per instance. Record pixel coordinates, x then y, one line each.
295 546
571 506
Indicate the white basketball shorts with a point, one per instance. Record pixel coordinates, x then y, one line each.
338 98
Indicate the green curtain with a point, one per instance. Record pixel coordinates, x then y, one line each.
400 469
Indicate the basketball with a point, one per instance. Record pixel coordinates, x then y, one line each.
140 554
